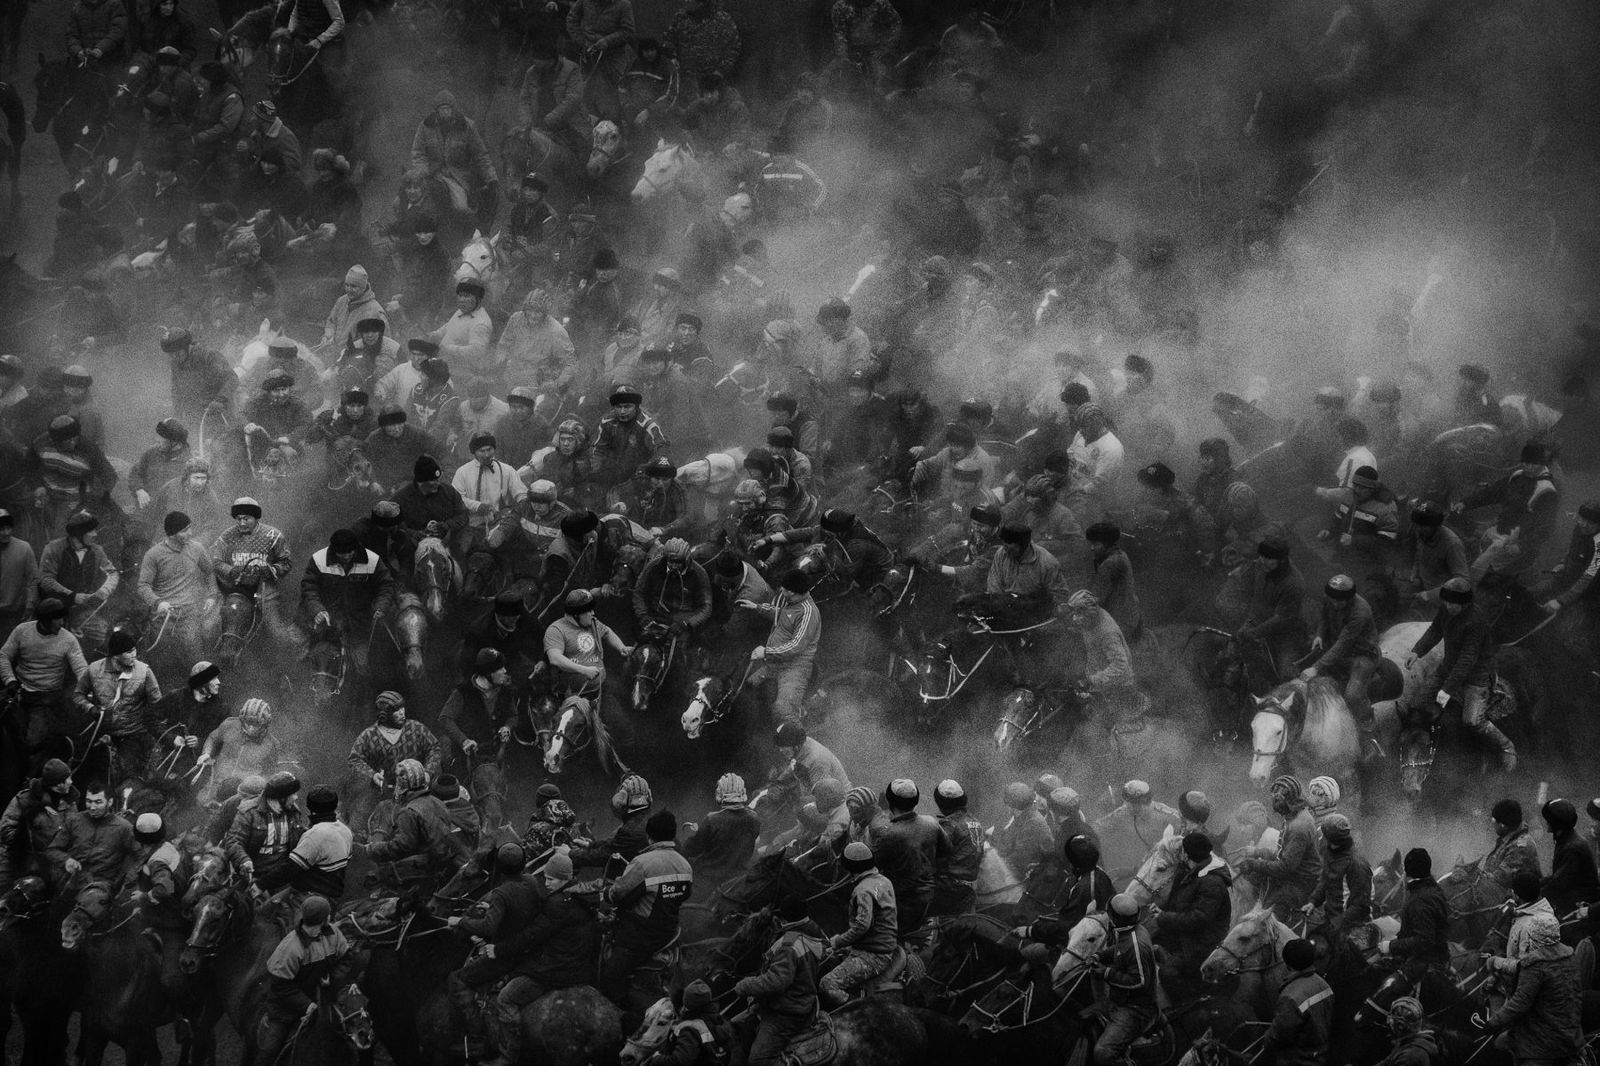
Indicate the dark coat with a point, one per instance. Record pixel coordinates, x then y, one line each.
1424 924
1197 914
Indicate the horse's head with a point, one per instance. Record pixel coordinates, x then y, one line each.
605 147
411 633
1250 946
1269 733
435 571
707 692
479 258
460 892
1016 714
213 918
328 664
211 872
1374 1010
1158 871
893 591
283 62
352 1019
662 171
1088 937
89 908
1416 760
652 1033
572 720
484 578
238 619
27 897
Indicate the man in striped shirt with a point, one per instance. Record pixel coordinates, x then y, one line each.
790 651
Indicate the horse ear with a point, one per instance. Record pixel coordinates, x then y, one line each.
661 142
477 235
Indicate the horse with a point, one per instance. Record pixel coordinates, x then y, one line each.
577 726
1252 951
480 261
1154 878
715 698
240 618
123 997
868 1032
568 1027
13 130
340 1032
608 146
298 82
670 168
411 633
73 102
529 149
998 888
330 665
1024 713
220 948
38 978
648 665
1308 721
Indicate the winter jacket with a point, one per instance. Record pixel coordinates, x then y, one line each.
907 848
372 753
796 628
1424 924
101 24
559 947
104 846
787 983
1344 888
66 577
601 24
1544 1013
1197 914
558 104
1302 1021
1468 648
422 827
704 41
1036 576
1296 868
1276 605
724 844
960 854
622 447
468 715
666 596
299 967
1512 853
1347 633
129 701
454 147
1573 879
873 917
352 595
1130 968
31 821
648 896
1024 841
259 833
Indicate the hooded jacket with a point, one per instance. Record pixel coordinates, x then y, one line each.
352 594
1197 914
348 310
787 983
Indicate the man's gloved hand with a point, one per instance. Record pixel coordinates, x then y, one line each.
377 778
321 618
142 498
677 629
310 1011
1442 699
469 747
503 734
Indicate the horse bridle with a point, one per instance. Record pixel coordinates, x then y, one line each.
1271 706
1264 949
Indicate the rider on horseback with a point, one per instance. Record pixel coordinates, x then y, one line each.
423 837
870 941
1466 673
1348 642
673 590
500 925
314 956
1128 963
1291 874
960 854
320 857
1302 1020
785 990
344 585
382 746
480 709
648 895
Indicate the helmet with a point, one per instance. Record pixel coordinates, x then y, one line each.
281 785
1288 787
410 776
542 491
676 550
316 910
1323 792
632 795
1124 910
257 712
1018 796
731 791
1405 1014
388 702
750 491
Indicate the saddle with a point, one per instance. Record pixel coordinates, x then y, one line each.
815 1045
890 980
1152 1045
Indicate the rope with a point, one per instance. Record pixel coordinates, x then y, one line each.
161 631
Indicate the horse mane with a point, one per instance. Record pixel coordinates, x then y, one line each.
1328 727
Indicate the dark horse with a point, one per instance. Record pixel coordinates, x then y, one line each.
37 977
14 131
299 84
123 998
73 102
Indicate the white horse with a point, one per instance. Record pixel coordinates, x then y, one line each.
1087 939
1154 878
670 167
997 885
578 726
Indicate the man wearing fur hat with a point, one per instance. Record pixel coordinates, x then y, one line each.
1466 672
357 303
